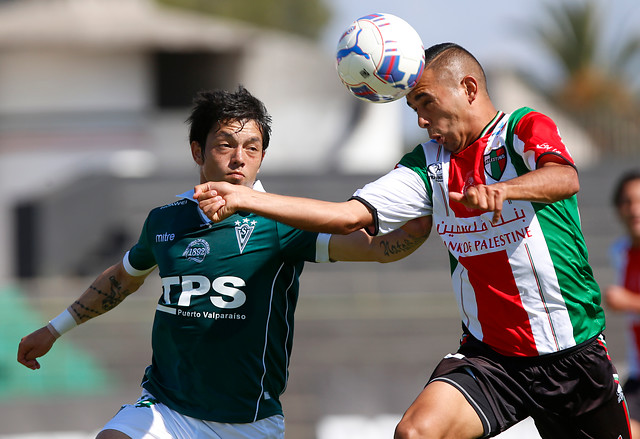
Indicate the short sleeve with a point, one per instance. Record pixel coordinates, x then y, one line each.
537 140
397 197
139 260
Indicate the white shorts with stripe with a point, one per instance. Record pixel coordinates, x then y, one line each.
150 419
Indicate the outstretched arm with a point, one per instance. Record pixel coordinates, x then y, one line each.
218 200
359 246
105 293
621 299
549 183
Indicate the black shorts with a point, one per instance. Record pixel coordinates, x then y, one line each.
570 394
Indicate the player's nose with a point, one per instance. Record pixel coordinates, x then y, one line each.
238 155
423 122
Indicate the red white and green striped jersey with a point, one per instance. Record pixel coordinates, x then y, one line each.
523 286
626 261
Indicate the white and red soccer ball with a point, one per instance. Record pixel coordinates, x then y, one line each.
380 58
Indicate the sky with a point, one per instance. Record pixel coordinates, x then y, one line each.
493 30
490 29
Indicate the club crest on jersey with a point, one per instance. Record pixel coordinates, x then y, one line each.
197 250
244 230
434 170
495 162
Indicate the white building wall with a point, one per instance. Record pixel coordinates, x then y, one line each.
62 80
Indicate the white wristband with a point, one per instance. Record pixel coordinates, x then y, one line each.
64 322
322 247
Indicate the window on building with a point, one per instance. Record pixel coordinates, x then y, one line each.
180 75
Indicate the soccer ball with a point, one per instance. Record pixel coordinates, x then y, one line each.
380 58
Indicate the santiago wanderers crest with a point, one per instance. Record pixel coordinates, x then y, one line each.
244 230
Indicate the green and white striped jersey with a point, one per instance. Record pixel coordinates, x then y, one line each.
223 328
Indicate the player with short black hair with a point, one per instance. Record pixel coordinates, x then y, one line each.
223 328
501 190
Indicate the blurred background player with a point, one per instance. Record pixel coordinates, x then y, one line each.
624 295
223 328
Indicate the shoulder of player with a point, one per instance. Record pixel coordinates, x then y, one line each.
526 118
181 208
172 207
417 157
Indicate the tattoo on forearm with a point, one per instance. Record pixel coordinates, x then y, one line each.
111 299
115 295
406 245
82 312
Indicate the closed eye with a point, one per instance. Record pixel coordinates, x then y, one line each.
420 100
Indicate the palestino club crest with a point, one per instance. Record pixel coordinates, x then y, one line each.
197 250
495 162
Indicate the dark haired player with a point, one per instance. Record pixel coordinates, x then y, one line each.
500 189
223 329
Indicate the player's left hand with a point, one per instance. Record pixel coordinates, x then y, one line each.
211 198
33 346
483 197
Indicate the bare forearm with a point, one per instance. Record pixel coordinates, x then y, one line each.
393 248
548 184
105 293
305 213
359 246
218 200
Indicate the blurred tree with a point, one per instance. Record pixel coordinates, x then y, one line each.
306 18
596 75
600 87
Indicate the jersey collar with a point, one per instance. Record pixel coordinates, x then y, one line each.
491 125
257 185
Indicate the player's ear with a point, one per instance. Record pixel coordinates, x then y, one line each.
197 153
470 85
